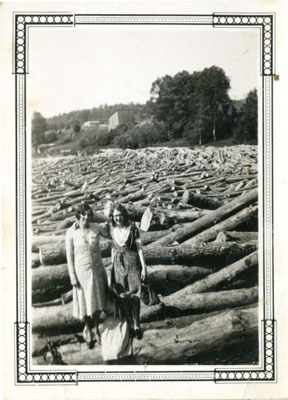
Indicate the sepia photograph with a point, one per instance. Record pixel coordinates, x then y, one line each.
143 205
143 202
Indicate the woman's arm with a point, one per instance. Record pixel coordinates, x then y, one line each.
142 260
104 230
70 258
113 253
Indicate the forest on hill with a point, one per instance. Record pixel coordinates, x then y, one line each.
194 107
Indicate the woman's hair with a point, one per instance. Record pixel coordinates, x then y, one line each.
122 209
83 209
122 306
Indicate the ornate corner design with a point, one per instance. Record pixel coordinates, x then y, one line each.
266 373
23 373
22 23
265 22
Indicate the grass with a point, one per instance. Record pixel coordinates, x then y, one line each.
69 143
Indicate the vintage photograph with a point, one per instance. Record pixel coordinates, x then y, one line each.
143 211
143 200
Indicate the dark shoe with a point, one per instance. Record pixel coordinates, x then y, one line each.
138 333
131 333
91 344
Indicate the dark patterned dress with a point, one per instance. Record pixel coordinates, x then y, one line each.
126 270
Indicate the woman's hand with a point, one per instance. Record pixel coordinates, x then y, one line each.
143 273
125 295
76 284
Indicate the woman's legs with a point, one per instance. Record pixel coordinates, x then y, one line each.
87 334
96 317
92 324
136 316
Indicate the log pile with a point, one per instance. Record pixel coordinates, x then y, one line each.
197 214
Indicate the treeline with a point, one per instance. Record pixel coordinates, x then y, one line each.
192 106
196 107
101 114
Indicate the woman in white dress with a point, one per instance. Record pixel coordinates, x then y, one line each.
87 273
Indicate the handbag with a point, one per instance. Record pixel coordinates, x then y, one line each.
148 295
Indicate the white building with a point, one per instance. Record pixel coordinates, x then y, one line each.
91 124
121 117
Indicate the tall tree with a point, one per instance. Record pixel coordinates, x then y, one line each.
212 90
247 127
191 104
39 126
76 126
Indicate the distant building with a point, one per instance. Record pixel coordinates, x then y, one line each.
121 117
238 105
91 124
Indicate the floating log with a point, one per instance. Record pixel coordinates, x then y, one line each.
47 214
73 352
134 212
53 320
66 223
140 194
183 216
59 319
184 302
167 279
200 201
44 228
35 260
232 222
55 253
226 274
62 215
183 345
40 240
156 220
118 174
49 294
150 237
214 253
211 254
236 236
61 298
49 276
209 220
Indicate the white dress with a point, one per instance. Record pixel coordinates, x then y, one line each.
115 336
85 265
115 340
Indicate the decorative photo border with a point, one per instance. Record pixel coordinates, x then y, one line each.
24 374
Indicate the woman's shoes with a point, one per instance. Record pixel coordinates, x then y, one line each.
131 333
138 333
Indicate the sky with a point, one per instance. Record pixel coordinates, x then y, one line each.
86 66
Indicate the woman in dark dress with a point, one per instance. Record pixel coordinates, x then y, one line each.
128 262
